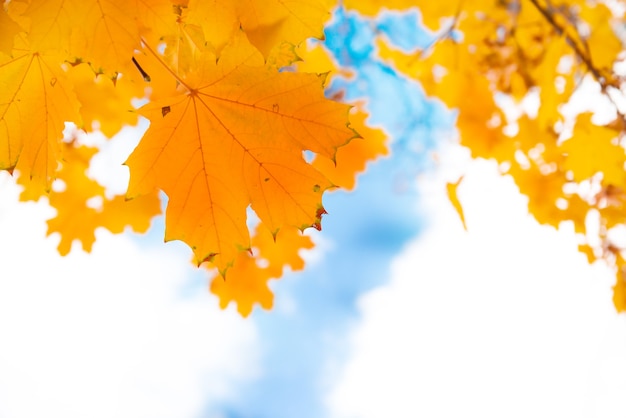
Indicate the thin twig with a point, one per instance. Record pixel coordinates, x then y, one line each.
145 75
585 58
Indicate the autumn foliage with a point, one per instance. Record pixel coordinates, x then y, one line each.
235 98
517 72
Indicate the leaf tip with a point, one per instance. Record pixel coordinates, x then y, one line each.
318 218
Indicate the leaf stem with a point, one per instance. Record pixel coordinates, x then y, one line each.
145 75
584 57
602 79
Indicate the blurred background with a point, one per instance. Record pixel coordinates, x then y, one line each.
399 312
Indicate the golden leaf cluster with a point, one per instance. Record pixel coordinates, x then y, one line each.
228 127
514 70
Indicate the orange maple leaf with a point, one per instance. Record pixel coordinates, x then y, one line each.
235 138
114 214
105 101
352 158
246 282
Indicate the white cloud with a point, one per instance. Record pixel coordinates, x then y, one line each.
507 320
108 334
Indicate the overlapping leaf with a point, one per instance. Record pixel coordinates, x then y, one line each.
267 23
82 205
8 30
36 99
247 282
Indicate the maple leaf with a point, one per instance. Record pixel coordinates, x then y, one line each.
104 33
8 30
267 23
105 102
36 100
114 214
235 138
603 43
352 158
590 151
246 283
619 289
543 190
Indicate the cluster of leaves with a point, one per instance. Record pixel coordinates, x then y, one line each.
229 127
235 99
513 69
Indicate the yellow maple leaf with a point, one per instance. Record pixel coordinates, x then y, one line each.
619 288
36 99
587 250
546 75
576 212
104 33
543 191
104 100
108 33
530 133
50 24
8 29
159 20
267 23
114 214
602 43
590 150
235 138
373 7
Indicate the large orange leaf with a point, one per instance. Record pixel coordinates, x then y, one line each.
235 138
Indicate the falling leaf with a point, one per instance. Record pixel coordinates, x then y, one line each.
454 199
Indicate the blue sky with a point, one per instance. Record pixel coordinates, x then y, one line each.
400 312
363 232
